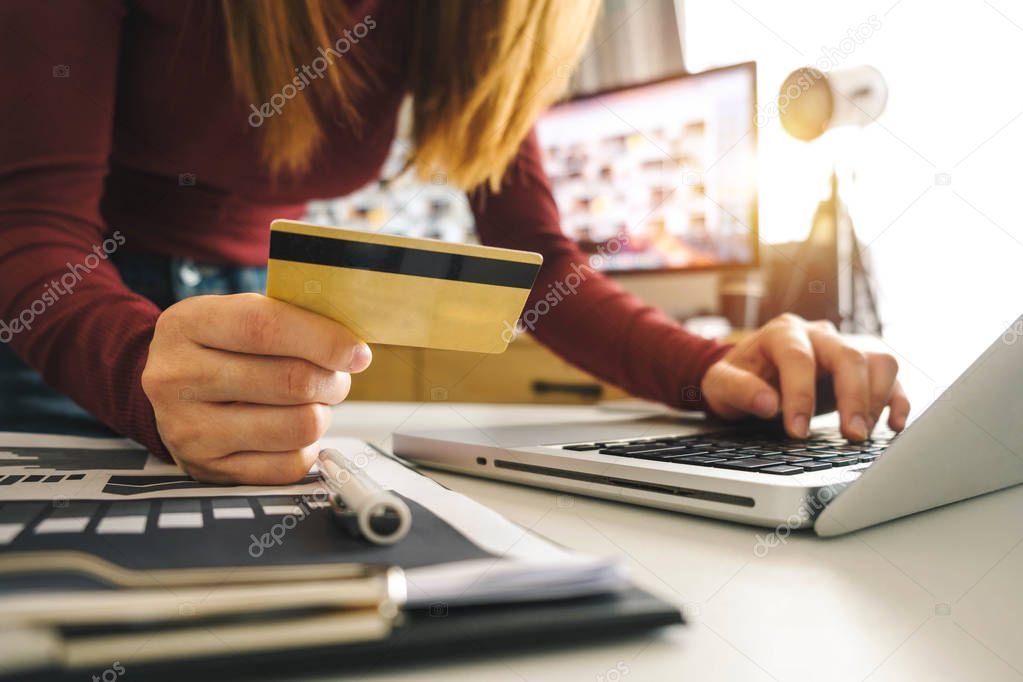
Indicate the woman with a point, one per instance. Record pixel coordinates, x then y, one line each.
148 144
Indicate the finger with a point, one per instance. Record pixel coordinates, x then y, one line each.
789 348
731 391
255 324
848 367
898 408
237 377
237 427
881 371
259 468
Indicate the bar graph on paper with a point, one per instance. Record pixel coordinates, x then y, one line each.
71 459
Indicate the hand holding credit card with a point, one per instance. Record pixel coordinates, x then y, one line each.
403 291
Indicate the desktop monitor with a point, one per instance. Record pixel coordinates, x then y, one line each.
659 176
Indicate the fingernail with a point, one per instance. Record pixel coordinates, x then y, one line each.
361 357
765 404
801 425
858 427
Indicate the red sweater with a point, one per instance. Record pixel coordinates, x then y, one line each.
107 102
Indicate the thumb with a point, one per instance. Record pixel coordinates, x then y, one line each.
731 392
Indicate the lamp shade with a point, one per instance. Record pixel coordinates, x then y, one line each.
811 102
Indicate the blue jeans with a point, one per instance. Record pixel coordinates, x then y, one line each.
28 404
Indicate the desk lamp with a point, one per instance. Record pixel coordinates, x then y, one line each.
811 103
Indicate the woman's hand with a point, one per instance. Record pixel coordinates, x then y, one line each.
241 385
788 353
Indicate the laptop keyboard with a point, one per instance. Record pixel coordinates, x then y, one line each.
759 452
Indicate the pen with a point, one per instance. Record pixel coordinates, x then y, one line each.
381 516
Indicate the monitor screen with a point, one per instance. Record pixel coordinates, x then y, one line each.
658 176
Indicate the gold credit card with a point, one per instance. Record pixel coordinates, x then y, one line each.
402 290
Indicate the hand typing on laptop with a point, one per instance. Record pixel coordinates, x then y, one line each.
776 368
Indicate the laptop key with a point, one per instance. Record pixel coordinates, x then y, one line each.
760 452
668 453
788 459
815 465
782 470
843 461
654 451
629 449
751 464
583 447
695 459
657 454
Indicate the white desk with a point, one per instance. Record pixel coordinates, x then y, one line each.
938 596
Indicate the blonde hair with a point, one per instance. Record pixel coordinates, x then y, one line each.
480 73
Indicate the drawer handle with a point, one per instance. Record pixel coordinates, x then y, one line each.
585 390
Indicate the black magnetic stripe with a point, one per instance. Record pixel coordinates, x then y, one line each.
400 260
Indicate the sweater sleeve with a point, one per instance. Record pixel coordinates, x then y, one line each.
63 307
584 317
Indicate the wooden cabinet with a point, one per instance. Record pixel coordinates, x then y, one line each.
525 373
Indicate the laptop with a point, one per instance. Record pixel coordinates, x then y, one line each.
968 442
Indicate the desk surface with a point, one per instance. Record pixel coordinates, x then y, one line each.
936 596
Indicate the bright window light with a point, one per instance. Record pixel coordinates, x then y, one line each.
938 186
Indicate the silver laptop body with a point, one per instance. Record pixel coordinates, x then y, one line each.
968 442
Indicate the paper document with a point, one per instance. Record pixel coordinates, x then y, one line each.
39 466
110 496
